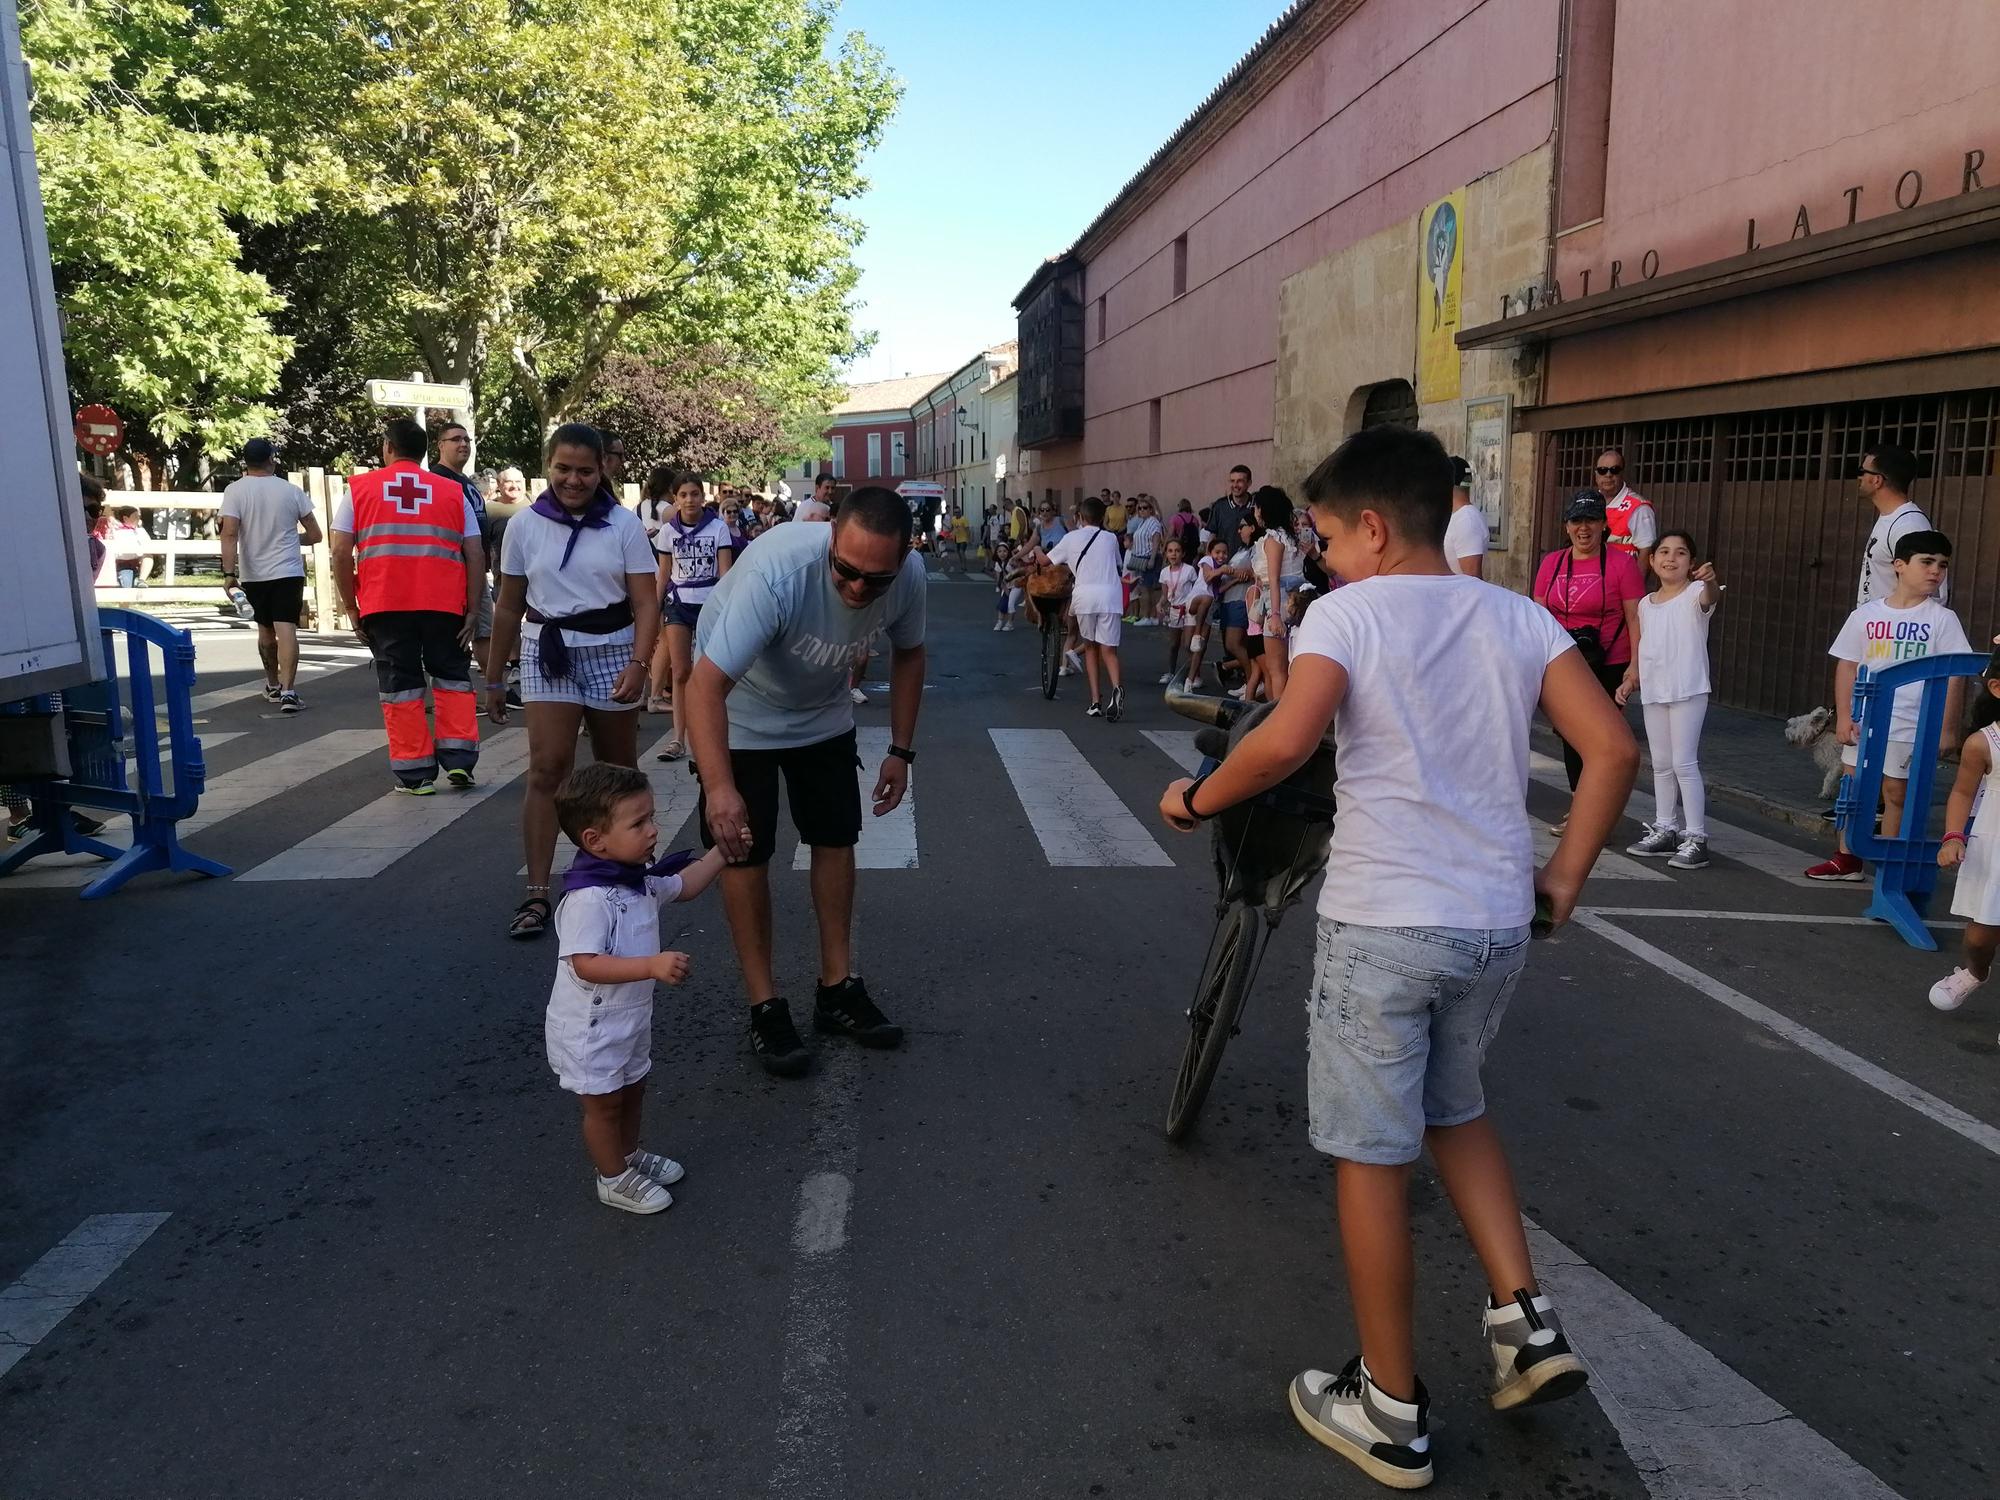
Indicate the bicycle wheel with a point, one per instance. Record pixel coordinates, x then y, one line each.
1052 639
1218 1003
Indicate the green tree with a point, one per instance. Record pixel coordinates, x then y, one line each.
524 187
142 188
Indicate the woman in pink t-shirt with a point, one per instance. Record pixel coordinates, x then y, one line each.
1594 593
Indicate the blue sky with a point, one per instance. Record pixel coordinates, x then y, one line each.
1019 121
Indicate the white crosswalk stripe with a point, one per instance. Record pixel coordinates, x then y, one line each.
888 842
366 842
1178 746
1078 818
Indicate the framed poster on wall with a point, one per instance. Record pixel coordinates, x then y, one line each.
1489 429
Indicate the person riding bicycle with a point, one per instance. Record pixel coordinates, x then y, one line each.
1429 680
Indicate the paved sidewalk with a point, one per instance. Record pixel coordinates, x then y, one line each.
1748 765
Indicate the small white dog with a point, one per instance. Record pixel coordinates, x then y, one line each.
1814 732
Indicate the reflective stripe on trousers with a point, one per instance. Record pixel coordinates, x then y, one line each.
415 651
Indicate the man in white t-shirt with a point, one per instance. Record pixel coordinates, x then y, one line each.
1429 681
1909 622
1097 602
1466 536
1884 481
264 518
819 505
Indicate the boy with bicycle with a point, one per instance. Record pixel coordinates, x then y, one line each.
1429 680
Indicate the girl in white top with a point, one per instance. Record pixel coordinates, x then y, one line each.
695 548
1670 672
1274 559
1974 845
1179 584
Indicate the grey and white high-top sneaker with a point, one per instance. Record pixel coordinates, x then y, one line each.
1658 842
1387 1439
1532 1361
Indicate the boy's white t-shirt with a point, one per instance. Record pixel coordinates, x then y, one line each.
1466 534
1431 758
1673 646
1091 553
614 920
1878 554
1877 636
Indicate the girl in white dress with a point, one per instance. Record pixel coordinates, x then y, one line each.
1670 672
1178 586
1975 847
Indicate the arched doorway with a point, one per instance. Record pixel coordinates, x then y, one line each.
1393 403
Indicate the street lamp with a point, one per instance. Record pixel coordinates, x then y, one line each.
963 422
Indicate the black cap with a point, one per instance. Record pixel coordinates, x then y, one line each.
1461 473
260 453
1584 505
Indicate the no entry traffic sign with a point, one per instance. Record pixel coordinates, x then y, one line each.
99 430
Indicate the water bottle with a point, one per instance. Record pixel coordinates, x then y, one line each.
241 600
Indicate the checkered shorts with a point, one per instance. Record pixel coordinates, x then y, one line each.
593 673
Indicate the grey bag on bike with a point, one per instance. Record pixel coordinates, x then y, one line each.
1268 849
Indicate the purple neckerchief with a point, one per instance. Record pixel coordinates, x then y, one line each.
594 517
587 870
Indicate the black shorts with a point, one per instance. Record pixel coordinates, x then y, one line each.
820 783
276 601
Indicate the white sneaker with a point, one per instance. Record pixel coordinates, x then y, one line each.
1191 686
998 626
1239 694
857 695
1067 670
1950 992
1073 661
1532 1359
1008 626
633 1191
1388 1440
1166 679
662 1169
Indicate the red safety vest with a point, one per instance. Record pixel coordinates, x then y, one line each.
1618 513
409 536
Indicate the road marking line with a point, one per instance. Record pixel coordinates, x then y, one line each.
888 842
1856 1067
1780 861
812 1390
1079 820
1692 1427
55 1286
1802 918
675 793
223 697
224 797
1178 746
372 838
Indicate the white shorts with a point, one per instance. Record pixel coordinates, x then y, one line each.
602 1052
1895 765
1100 630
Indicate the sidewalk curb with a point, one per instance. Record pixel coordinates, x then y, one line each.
1805 819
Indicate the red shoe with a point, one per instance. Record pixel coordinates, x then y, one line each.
1840 867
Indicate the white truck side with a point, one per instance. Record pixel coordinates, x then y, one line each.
48 613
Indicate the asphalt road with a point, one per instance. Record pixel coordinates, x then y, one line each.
973 1267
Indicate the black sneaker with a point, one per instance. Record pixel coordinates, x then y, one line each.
1532 1360
1114 707
1095 711
289 702
775 1041
272 692
846 1010
461 780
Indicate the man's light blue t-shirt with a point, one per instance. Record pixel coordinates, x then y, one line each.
778 628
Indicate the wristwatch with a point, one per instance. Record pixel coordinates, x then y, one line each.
904 753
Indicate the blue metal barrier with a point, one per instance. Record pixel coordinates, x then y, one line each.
102 735
1906 868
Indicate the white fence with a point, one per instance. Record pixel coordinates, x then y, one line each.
322 601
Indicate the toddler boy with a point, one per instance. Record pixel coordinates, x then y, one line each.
1906 623
600 1021
1429 679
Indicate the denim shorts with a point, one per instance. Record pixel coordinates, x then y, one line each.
1233 614
1397 1028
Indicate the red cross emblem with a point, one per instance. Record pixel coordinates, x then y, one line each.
407 493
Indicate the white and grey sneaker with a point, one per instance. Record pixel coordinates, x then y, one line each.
1388 1440
1532 1361
1691 854
633 1191
1658 841
272 692
662 1169
1166 679
1952 991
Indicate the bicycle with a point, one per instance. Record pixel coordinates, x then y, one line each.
1266 850
1052 609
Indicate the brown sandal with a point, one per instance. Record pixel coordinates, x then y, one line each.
531 918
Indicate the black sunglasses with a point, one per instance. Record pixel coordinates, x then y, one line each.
853 574
1611 468
1867 472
